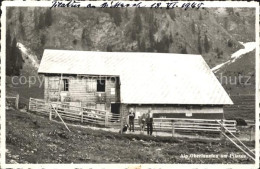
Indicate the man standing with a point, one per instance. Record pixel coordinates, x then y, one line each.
149 122
132 119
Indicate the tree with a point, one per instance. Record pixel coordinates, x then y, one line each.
16 60
137 25
36 20
184 50
230 43
22 32
8 53
226 23
43 39
142 47
199 44
85 38
230 11
126 13
193 27
200 16
41 24
172 14
206 44
163 45
115 14
20 17
9 12
109 48
48 18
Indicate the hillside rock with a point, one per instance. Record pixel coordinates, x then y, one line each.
143 30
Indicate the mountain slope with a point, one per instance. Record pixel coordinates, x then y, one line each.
145 30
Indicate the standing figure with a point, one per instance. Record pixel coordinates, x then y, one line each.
149 122
142 121
132 119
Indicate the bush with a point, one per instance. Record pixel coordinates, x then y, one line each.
240 122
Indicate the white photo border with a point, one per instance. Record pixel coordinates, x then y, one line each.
124 166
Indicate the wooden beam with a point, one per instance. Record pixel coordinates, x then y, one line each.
60 118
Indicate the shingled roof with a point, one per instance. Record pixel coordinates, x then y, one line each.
146 78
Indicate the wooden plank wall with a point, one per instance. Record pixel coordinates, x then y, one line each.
164 110
78 91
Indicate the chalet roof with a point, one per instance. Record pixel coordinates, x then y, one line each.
146 78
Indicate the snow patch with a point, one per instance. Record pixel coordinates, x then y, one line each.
220 65
248 47
32 57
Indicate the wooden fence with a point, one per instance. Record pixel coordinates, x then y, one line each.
108 119
206 125
74 113
13 99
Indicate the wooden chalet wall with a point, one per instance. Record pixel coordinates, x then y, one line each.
179 111
78 90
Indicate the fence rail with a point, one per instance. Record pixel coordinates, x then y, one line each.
74 113
108 119
173 124
15 99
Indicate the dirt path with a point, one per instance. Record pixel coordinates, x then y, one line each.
31 139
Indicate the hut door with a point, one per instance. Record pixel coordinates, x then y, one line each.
115 108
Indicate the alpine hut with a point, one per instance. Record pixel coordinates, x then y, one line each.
173 85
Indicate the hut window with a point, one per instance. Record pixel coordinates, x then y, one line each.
91 105
65 85
101 107
101 85
54 85
91 85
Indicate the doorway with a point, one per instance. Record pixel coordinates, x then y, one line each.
115 109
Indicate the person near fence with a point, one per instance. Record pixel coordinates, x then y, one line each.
149 121
142 121
132 119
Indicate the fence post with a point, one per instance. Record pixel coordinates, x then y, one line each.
173 128
106 119
251 131
50 117
82 115
17 101
29 107
121 119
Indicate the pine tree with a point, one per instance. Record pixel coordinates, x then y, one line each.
199 44
206 44
193 27
230 11
48 18
200 16
41 24
117 16
86 40
8 53
22 32
184 50
16 60
142 47
9 12
20 17
226 23
126 13
172 14
137 21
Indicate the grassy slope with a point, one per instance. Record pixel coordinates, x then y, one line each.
243 92
31 139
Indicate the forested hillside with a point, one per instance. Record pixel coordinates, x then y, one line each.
214 32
